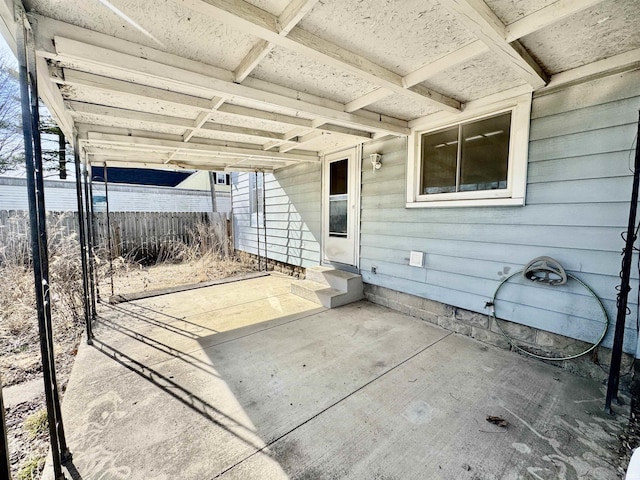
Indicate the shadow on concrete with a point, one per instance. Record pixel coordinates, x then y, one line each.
176 391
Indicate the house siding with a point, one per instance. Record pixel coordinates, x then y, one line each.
577 205
60 196
293 215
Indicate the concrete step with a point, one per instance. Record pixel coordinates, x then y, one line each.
329 287
322 294
338 279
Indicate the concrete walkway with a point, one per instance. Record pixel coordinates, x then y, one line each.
246 381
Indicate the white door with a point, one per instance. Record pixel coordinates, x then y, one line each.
340 207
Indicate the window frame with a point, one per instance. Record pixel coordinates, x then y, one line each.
514 194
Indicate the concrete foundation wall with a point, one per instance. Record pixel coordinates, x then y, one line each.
594 365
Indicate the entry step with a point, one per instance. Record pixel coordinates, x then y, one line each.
329 287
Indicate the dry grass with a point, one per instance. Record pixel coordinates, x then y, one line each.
19 340
202 257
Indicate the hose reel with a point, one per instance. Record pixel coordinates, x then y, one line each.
547 271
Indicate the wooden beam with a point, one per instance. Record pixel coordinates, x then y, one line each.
146 72
51 95
105 84
252 20
449 60
367 99
552 13
618 63
480 19
463 54
291 15
251 60
216 102
146 143
133 115
309 137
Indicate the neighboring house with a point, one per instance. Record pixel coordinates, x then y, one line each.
60 196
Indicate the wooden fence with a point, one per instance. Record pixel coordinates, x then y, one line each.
140 235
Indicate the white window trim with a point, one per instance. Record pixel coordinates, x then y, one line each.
513 195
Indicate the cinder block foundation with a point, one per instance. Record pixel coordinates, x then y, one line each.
594 365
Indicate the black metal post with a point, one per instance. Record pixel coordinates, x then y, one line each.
257 219
5 464
39 254
264 222
616 353
44 245
87 199
83 242
106 197
94 234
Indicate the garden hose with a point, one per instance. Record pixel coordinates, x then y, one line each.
491 305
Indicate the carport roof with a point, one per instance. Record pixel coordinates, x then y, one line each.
262 84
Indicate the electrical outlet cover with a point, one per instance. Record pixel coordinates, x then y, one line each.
416 259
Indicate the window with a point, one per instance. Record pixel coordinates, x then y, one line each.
479 160
222 178
256 199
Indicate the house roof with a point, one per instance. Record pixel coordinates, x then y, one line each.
262 84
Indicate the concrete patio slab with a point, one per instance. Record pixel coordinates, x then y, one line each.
246 381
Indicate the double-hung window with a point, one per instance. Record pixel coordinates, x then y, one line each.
479 159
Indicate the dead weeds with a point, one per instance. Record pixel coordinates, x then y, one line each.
203 257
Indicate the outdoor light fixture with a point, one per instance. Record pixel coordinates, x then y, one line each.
376 161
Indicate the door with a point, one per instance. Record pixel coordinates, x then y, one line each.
341 207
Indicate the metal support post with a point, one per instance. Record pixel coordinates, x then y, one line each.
87 199
94 235
625 274
5 464
264 222
106 196
37 221
83 242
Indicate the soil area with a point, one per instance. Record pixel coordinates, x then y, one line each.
20 367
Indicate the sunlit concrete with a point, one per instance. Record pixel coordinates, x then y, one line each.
247 381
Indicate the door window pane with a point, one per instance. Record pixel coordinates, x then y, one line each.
338 198
485 154
338 206
338 177
439 161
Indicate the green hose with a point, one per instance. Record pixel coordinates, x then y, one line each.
542 357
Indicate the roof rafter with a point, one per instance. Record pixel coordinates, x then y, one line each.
147 72
480 19
252 20
291 15
546 16
196 149
463 54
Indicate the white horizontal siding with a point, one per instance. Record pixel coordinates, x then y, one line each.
292 215
60 196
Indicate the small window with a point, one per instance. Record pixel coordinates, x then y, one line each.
222 179
479 160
